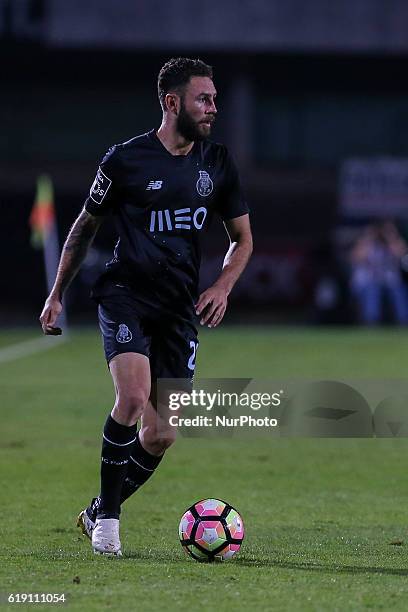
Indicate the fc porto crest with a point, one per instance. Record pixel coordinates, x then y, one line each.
204 184
124 334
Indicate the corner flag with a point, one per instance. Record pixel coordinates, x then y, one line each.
44 233
42 218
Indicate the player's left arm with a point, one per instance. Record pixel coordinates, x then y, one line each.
212 303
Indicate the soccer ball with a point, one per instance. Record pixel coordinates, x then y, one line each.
211 530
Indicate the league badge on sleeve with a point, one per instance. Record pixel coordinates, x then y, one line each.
204 184
100 187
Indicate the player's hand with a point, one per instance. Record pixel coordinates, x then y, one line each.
212 305
52 309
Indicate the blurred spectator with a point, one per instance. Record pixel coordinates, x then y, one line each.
330 298
376 274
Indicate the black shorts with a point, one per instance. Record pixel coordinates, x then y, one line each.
169 342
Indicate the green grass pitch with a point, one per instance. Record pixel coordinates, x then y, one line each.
322 516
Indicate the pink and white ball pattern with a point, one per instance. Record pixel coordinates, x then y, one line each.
210 534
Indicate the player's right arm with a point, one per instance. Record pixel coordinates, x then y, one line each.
100 202
73 253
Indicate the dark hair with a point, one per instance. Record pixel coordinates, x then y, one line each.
176 73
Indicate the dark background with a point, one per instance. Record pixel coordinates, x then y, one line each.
301 89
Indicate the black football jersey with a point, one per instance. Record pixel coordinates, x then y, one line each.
161 203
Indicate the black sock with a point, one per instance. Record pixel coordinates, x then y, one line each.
140 467
117 444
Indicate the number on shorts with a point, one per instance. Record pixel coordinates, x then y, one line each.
191 362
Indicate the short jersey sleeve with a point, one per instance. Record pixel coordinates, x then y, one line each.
103 194
231 201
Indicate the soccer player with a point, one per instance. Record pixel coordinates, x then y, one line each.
160 188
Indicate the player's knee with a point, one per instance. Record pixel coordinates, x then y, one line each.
129 407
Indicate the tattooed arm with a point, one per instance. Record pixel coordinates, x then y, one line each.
73 253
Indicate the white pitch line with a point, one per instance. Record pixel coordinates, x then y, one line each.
30 347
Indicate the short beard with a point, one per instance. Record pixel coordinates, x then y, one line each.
186 126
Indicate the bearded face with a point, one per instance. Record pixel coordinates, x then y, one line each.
197 109
191 128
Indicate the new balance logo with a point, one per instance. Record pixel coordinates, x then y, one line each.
183 218
154 185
